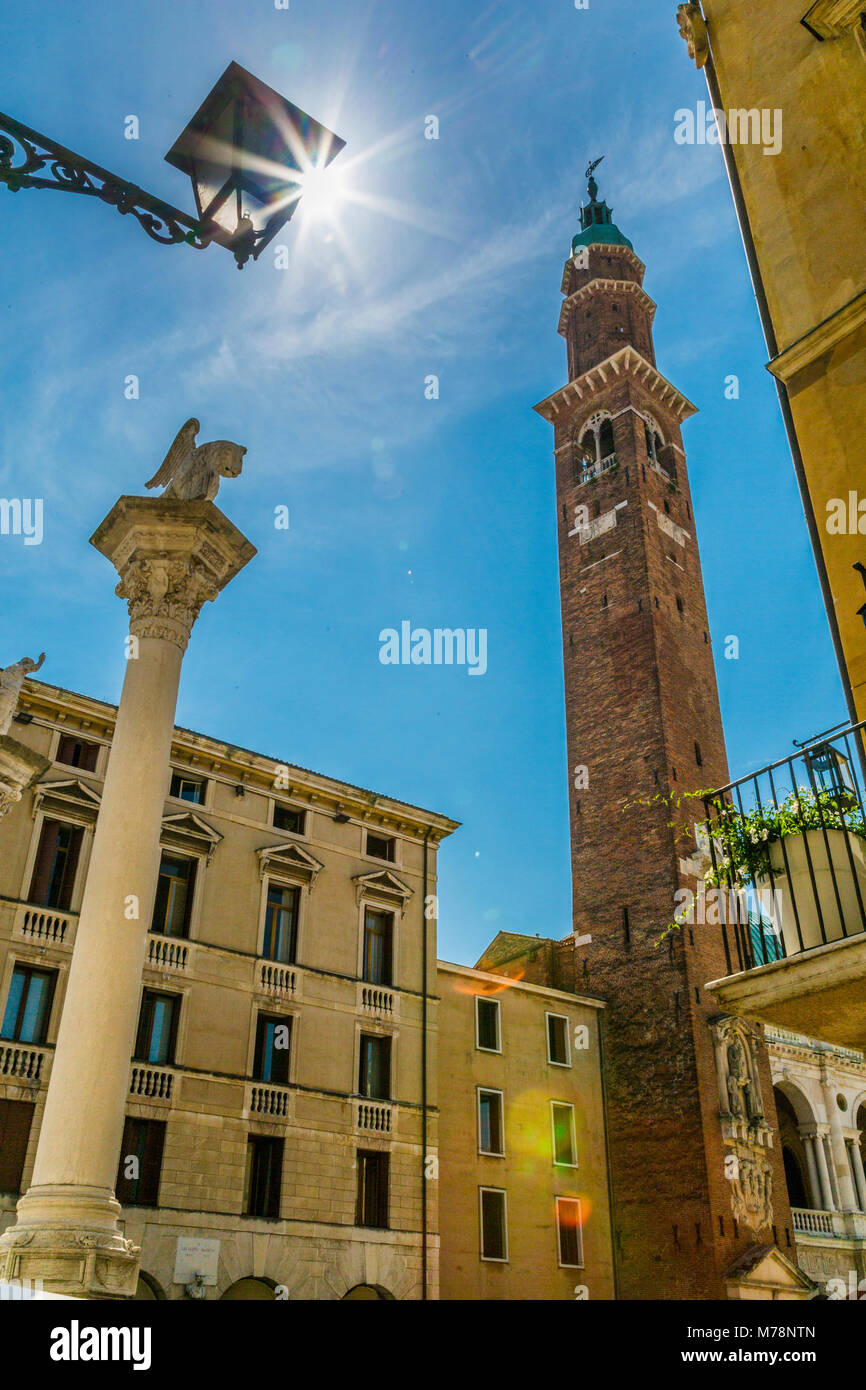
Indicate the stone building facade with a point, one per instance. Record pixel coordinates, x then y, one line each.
282 1099
821 1104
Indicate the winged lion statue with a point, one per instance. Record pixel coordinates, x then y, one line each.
191 472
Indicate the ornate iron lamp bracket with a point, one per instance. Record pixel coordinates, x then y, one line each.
31 160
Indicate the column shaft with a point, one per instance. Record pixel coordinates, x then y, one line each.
82 1125
814 1185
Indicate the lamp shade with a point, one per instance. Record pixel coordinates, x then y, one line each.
246 151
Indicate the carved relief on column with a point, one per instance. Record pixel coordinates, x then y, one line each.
745 1130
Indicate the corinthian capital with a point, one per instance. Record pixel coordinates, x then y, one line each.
165 595
172 557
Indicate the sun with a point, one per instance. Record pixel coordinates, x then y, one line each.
322 190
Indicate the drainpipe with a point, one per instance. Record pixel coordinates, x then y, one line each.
781 390
610 1206
424 1077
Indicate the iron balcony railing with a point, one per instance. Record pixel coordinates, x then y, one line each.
786 848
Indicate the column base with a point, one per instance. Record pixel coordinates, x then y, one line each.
66 1240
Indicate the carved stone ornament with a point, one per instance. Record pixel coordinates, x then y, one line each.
165 595
192 472
11 682
9 794
751 1187
172 556
746 1133
692 28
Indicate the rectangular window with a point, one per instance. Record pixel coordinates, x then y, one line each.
374 1078
557 1040
564 1140
273 1048
381 847
487 1033
378 942
569 1231
494 1237
174 889
157 1027
56 862
28 1006
491 1129
264 1176
140 1163
372 1204
281 923
16 1117
289 818
187 788
77 752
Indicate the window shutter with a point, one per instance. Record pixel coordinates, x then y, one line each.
44 860
16 1117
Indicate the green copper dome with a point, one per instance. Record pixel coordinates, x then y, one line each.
596 220
604 232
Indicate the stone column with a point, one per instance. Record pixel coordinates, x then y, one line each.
859 1174
172 556
838 1151
814 1186
827 1202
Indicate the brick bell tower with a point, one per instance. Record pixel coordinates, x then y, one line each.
695 1170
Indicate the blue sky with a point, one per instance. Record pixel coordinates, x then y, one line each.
444 258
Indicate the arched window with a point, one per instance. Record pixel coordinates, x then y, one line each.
594 447
650 447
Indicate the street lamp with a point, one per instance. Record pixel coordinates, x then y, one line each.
247 151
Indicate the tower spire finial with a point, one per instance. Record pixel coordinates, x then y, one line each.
592 186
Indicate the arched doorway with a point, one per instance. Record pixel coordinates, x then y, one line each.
367 1291
148 1289
250 1289
794 1113
794 1179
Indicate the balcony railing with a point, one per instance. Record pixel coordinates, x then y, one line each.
279 980
817 1223
166 954
594 470
379 1002
150 1083
22 1062
373 1117
45 926
268 1101
787 849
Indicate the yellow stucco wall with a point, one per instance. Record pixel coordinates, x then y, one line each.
527 1171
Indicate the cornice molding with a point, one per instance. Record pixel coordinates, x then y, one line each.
609 247
819 340
187 828
626 362
290 859
56 707
833 19
71 794
598 286
383 884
